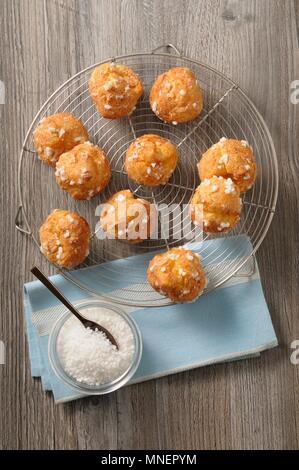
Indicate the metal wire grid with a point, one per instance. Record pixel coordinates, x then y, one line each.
227 112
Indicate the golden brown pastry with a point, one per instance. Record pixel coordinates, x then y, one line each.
57 134
64 238
230 158
115 90
177 274
151 160
128 218
84 171
216 205
176 96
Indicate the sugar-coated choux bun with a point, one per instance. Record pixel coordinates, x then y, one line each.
176 96
127 217
57 134
230 158
84 171
177 274
64 238
150 160
115 90
216 205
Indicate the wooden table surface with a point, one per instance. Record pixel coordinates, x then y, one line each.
249 404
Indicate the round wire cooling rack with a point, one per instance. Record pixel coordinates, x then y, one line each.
228 112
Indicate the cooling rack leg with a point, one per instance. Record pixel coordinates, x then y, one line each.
251 271
18 222
167 46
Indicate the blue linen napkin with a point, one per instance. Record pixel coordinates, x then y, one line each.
229 323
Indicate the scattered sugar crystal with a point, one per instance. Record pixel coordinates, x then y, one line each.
223 139
229 186
206 182
174 123
244 143
154 107
61 132
214 188
67 234
189 257
246 177
224 159
222 226
59 253
182 92
108 85
107 106
247 167
48 152
163 269
121 198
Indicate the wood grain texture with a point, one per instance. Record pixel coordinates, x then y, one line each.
251 404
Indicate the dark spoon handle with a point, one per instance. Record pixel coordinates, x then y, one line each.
37 273
87 323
